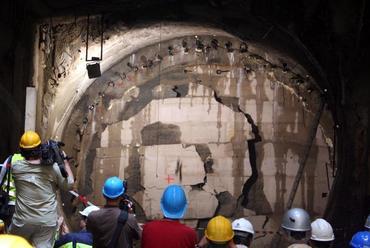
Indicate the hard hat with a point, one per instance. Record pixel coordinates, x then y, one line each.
296 219
367 223
13 241
29 140
360 240
243 225
88 210
173 202
321 230
219 230
113 188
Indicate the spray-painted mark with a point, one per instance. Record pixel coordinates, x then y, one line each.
169 179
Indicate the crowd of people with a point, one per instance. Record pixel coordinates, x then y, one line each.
31 218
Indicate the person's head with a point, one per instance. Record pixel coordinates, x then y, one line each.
243 232
360 240
367 223
84 213
173 202
113 190
322 234
30 145
13 241
219 232
296 224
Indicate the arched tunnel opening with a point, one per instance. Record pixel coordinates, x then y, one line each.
254 107
230 120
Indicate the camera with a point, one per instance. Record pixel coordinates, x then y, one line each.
127 204
51 153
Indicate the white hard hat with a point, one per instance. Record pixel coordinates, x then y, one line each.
296 219
88 210
243 225
367 223
321 230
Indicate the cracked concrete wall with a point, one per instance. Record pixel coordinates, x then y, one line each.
229 124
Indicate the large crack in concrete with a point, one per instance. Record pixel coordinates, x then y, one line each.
206 156
243 199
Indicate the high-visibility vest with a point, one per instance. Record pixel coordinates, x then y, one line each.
78 245
16 157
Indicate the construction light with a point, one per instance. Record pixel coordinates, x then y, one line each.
93 70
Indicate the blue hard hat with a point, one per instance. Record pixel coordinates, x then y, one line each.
360 240
173 202
113 188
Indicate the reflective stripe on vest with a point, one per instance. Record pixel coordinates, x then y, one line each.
78 245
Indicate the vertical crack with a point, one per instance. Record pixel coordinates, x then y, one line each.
234 105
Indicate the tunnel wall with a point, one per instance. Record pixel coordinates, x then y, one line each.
142 115
334 33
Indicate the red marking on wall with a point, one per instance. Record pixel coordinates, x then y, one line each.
169 179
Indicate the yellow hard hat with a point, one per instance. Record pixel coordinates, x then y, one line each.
219 230
13 241
29 140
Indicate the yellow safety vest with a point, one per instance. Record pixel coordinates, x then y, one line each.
16 157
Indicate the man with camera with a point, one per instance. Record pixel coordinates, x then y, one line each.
112 226
36 183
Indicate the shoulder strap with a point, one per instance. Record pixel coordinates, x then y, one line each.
8 182
5 175
122 218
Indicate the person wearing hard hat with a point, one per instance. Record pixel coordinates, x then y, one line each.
13 241
296 226
169 232
218 234
111 226
243 233
360 240
82 238
35 217
322 234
